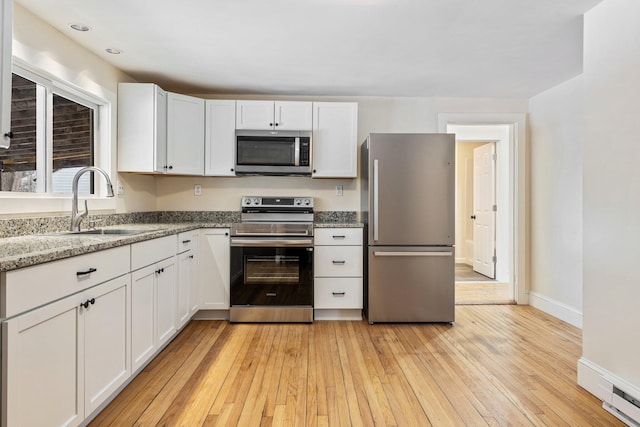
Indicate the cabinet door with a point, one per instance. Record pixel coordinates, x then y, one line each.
184 288
293 115
142 128
6 18
335 144
213 272
165 307
254 115
220 138
43 360
185 135
142 315
106 340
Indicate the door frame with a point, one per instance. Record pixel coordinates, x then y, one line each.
517 184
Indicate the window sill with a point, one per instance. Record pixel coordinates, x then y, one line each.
30 203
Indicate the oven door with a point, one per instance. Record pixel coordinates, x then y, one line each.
271 272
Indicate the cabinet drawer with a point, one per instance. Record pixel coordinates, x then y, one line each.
338 236
31 287
186 241
151 251
338 261
339 292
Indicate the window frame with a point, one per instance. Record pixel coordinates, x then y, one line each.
51 85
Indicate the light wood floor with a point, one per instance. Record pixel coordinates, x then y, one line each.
496 365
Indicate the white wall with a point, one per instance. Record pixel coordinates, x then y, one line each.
556 124
39 45
611 337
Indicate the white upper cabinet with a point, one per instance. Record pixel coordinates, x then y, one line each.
335 140
220 137
158 131
6 36
185 135
280 115
142 128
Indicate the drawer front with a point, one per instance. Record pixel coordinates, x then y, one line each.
338 236
338 261
151 251
32 287
339 292
186 241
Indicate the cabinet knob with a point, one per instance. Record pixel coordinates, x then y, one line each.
170 167
190 256
277 124
87 302
231 169
8 135
314 171
270 124
226 234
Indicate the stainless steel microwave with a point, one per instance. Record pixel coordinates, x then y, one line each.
273 152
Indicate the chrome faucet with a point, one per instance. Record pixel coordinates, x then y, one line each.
76 217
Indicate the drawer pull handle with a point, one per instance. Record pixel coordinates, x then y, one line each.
338 294
338 262
160 270
89 271
87 302
340 237
271 294
184 242
190 256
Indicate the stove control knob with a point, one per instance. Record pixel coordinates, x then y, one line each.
307 202
298 202
256 201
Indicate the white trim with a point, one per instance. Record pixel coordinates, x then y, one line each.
337 314
518 124
556 309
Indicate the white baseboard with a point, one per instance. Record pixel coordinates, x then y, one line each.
337 314
556 309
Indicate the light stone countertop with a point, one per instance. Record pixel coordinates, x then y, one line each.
25 251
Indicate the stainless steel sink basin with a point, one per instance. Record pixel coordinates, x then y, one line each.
108 231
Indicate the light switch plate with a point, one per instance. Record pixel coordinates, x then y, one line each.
197 190
119 188
338 190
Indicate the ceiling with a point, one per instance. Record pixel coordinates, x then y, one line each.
424 48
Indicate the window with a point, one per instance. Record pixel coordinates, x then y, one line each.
54 137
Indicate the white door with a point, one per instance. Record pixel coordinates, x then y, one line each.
484 215
213 269
185 135
142 315
165 307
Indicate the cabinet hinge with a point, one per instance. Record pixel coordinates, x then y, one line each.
495 259
495 208
494 156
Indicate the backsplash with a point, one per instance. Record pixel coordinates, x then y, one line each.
25 226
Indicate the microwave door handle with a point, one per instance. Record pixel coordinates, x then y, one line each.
297 151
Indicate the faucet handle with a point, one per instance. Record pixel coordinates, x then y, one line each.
93 222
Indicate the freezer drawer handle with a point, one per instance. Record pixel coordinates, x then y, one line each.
338 262
338 294
339 237
413 253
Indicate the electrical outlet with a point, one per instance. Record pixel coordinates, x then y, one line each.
119 188
338 190
197 190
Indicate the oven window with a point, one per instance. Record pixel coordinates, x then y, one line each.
266 151
272 269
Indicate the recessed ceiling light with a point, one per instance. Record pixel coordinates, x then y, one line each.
80 27
113 51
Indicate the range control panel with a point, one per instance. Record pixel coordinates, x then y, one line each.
273 202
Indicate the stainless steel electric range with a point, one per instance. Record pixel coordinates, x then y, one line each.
272 260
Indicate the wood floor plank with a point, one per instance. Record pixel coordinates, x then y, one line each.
502 365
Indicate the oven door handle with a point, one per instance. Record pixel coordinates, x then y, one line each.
246 233
240 242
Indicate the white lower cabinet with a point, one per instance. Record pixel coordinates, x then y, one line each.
338 261
153 297
63 360
187 292
213 270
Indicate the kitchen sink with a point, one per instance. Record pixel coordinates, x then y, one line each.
107 231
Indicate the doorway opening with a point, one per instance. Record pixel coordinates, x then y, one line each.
484 214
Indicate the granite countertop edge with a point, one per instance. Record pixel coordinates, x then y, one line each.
30 250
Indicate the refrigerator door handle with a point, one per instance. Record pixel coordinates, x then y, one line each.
380 253
375 199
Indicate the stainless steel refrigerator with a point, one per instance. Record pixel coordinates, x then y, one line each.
407 190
